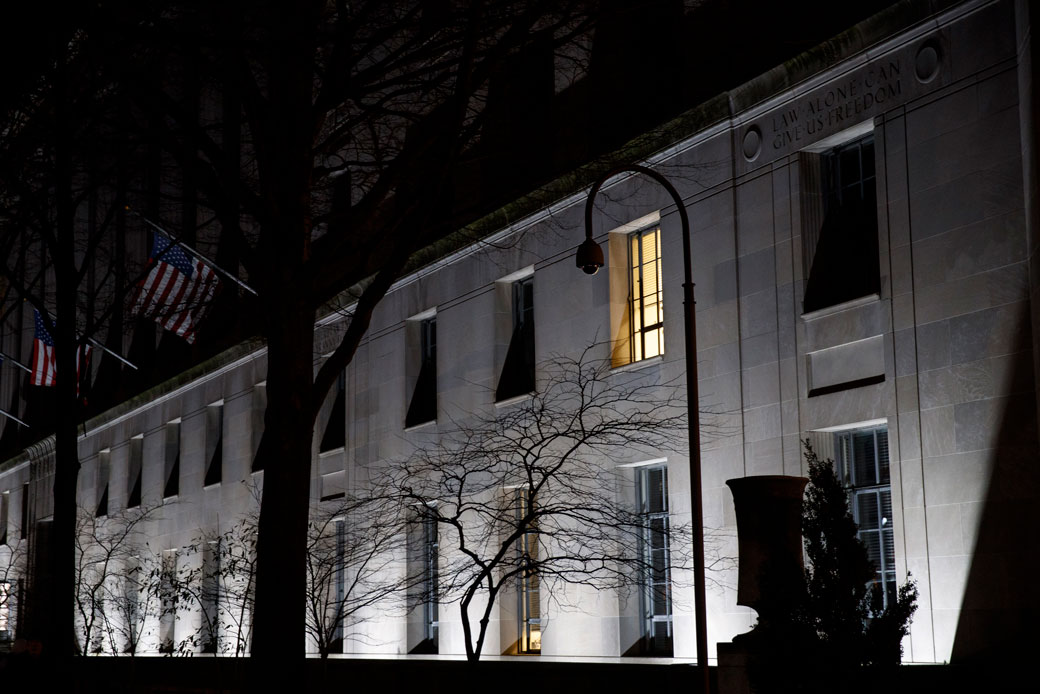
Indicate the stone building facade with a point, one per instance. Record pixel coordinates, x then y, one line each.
863 227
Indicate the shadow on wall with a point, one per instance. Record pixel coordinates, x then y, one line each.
1000 612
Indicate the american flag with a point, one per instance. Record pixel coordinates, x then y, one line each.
43 364
178 290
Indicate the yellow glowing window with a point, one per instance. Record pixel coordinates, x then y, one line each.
646 309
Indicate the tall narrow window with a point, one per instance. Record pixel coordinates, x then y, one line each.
335 435
5 611
864 470
657 592
340 587
528 588
168 601
210 595
102 484
5 505
133 472
645 307
518 371
431 616
172 460
24 529
841 251
259 408
214 444
423 407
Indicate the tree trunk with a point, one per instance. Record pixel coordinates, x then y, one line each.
285 453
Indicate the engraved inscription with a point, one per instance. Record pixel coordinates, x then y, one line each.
839 105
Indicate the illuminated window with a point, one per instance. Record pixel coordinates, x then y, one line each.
645 307
657 588
529 612
862 459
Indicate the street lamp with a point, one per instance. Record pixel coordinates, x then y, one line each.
590 259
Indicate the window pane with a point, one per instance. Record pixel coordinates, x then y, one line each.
864 471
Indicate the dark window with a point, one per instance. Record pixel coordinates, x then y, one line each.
24 530
864 469
102 485
257 422
518 371
842 254
133 476
172 461
5 500
335 435
214 444
423 407
657 588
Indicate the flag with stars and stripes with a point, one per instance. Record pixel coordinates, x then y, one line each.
178 290
44 368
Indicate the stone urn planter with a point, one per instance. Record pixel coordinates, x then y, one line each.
769 538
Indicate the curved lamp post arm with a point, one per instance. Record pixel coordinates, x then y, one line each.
590 258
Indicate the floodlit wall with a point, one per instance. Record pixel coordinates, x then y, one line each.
938 353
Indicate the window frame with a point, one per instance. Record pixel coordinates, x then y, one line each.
528 583
646 549
878 487
637 306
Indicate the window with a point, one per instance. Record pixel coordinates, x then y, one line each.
645 308
172 460
133 476
24 529
431 615
335 435
423 406
840 243
340 586
102 484
5 505
518 371
210 595
657 588
257 422
214 444
863 467
168 601
529 613
5 611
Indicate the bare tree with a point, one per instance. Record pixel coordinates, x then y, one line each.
212 583
356 560
532 494
12 570
112 567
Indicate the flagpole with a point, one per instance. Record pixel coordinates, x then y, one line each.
97 344
11 416
191 250
6 357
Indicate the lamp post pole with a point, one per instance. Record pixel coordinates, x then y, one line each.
590 258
